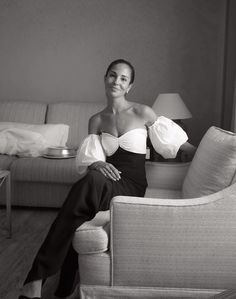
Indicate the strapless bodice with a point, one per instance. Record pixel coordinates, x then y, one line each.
165 135
132 141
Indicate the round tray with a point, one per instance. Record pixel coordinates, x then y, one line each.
58 157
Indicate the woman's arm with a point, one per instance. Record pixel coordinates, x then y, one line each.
94 125
187 148
149 115
107 169
188 151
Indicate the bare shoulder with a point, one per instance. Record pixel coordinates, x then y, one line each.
145 112
94 123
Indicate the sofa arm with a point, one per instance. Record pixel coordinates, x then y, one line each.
174 243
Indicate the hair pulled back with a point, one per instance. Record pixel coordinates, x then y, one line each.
123 61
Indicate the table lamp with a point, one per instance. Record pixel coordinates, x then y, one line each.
171 106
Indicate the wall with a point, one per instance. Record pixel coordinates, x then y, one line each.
56 50
230 67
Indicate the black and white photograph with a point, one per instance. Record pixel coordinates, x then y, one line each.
117 149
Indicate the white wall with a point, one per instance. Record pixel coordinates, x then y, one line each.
57 50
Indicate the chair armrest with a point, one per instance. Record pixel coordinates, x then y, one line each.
166 175
153 238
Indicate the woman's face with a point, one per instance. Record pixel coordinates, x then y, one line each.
117 81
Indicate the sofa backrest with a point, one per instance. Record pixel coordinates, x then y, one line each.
23 111
74 114
214 165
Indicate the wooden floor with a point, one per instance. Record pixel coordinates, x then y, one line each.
29 227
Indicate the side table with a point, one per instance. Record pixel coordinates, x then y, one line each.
5 178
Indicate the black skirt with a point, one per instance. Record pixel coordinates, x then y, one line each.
88 196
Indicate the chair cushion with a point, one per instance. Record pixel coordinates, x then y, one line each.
163 193
93 236
213 166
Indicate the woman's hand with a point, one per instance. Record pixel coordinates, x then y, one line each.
188 151
107 169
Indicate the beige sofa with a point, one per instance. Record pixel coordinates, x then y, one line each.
180 242
42 182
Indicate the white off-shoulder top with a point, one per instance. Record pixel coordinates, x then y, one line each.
165 135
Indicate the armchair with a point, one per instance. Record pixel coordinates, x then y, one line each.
177 242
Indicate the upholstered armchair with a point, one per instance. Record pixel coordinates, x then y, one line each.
179 241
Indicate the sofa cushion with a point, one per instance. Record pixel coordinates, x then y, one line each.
213 166
44 170
76 115
6 161
23 111
92 236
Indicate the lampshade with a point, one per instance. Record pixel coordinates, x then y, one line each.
171 105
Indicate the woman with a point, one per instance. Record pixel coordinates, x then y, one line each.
114 155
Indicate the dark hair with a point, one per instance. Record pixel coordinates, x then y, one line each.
118 61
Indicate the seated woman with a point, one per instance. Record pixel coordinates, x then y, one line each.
114 156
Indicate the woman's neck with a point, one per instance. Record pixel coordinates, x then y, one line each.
116 105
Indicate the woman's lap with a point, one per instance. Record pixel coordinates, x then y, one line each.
87 196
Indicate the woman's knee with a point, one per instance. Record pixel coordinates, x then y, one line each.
95 176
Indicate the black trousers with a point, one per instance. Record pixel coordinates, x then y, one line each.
89 195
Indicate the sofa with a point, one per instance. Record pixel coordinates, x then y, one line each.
177 242
38 181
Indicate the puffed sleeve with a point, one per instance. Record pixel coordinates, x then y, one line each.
90 151
166 137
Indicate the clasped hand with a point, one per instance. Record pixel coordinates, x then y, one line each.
107 169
